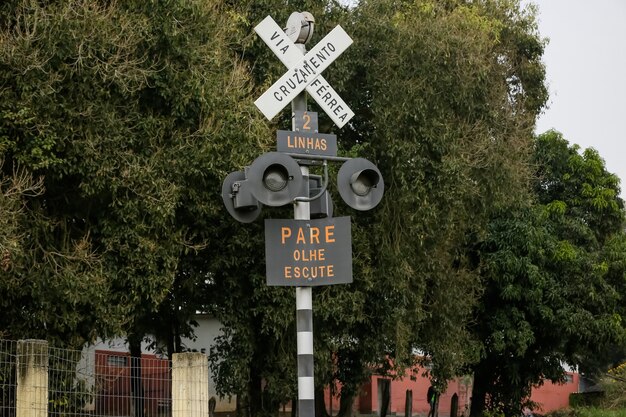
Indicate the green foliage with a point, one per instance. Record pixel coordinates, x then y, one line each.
579 182
614 386
29 144
34 268
553 276
586 399
587 411
121 108
67 394
450 134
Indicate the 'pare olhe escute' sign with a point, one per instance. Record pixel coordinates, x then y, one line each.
308 252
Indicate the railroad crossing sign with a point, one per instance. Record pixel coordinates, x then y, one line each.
308 250
303 72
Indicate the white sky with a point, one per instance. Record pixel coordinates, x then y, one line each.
586 74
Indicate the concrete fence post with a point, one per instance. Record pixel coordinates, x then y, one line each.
31 397
190 385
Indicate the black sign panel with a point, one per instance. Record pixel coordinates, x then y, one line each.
306 143
305 121
305 253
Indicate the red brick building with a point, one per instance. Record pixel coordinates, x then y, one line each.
549 396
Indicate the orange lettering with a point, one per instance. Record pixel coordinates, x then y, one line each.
285 232
315 235
300 238
330 233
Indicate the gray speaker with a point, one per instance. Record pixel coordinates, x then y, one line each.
238 198
322 206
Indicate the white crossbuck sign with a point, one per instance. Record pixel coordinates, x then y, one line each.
303 72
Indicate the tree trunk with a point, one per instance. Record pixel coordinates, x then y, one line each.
479 394
174 342
241 409
345 405
254 393
171 349
136 386
320 403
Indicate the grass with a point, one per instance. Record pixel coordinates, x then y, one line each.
589 412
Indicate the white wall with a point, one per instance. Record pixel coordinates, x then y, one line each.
207 330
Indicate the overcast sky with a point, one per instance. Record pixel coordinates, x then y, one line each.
586 73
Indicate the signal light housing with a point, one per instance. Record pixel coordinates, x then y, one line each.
275 179
360 184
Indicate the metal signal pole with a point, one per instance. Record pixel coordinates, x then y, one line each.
304 297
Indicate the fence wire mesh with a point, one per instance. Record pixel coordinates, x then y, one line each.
8 352
72 383
69 391
119 377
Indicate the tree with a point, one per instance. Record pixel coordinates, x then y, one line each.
445 95
549 298
449 124
121 109
131 113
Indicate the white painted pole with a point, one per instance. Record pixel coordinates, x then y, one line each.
304 299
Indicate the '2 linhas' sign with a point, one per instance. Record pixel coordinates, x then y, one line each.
309 143
304 253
